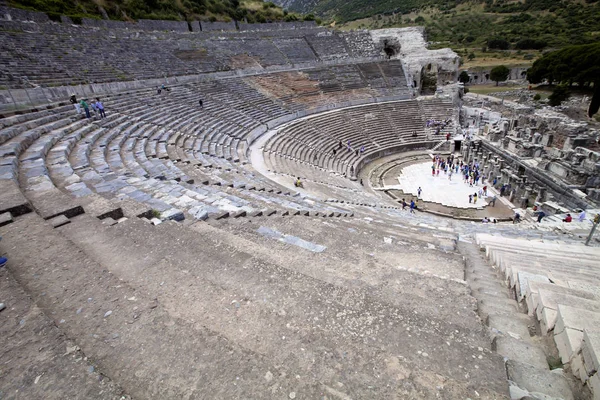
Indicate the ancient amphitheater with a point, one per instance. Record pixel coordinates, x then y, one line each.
164 252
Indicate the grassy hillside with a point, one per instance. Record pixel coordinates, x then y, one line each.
252 10
500 32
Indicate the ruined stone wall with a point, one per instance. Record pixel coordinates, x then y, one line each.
417 57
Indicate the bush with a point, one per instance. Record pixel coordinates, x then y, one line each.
499 44
530 44
559 94
537 97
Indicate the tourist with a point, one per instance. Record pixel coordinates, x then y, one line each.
412 206
419 190
582 216
470 198
158 90
433 169
540 215
450 175
362 149
100 108
485 220
568 218
201 104
86 108
404 204
517 218
447 137
485 190
494 220
74 101
475 198
298 183
94 107
437 172
493 202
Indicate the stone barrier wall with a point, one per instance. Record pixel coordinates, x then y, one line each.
158 25
218 26
16 14
110 24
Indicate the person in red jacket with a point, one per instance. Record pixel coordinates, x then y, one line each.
568 218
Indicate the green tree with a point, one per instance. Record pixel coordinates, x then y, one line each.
464 77
499 74
471 56
580 64
499 44
559 94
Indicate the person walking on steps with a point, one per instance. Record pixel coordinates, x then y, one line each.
75 103
86 108
540 215
100 107
412 206
419 190
517 218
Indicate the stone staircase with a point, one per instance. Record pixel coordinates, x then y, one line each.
534 298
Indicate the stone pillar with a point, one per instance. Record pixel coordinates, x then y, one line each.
541 195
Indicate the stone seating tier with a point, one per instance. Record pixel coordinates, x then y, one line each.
56 54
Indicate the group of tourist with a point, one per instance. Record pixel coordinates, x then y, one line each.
349 147
438 125
96 106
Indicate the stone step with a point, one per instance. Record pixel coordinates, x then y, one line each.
517 326
539 381
520 350
250 286
32 342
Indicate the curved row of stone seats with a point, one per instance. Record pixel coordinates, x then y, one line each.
351 133
19 133
312 87
559 283
65 60
121 144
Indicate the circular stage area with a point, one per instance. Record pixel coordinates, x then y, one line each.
440 188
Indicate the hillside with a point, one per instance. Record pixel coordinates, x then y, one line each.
483 32
251 10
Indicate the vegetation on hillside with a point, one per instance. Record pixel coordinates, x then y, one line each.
251 10
573 64
514 33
